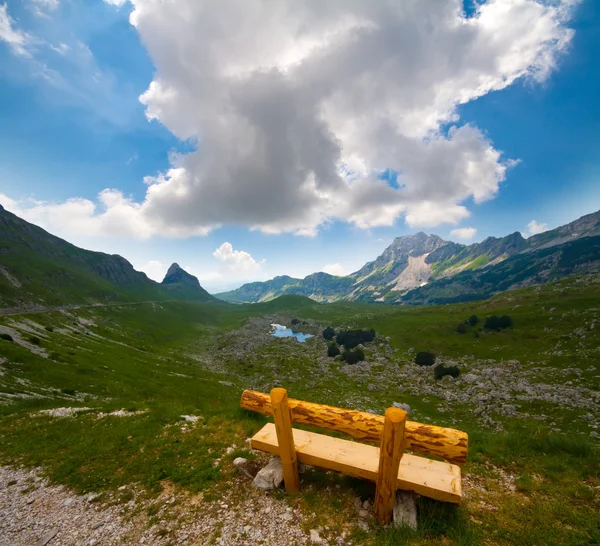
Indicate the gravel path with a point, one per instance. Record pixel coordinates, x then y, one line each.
33 512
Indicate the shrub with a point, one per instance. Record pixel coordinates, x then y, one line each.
70 392
49 329
492 323
496 323
425 358
333 350
328 333
473 320
352 357
461 328
440 371
351 338
505 321
295 321
35 340
6 337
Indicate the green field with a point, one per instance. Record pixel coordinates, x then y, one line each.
532 413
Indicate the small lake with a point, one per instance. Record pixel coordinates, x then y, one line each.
277 330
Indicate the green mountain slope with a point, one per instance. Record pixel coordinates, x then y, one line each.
37 268
525 269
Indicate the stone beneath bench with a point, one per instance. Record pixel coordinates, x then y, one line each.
405 509
269 477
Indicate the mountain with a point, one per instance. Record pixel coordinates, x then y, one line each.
182 285
41 269
423 268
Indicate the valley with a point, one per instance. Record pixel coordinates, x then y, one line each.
138 406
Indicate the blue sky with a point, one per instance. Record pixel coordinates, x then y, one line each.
73 125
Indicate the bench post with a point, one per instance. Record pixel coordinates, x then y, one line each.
285 439
390 453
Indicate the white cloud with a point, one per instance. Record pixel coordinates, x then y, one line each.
154 269
15 38
533 228
298 106
117 3
466 233
50 5
236 263
335 269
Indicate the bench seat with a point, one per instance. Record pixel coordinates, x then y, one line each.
434 479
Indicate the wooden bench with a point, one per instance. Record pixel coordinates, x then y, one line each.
387 465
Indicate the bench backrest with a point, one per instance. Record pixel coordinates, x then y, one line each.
447 443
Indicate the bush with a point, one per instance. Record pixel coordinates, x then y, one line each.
351 338
328 333
505 321
496 323
440 371
6 337
70 392
333 350
473 320
35 340
352 357
49 329
425 358
295 321
461 328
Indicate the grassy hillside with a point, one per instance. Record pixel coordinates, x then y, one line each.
532 415
39 269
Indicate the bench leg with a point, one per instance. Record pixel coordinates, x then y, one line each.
390 453
285 439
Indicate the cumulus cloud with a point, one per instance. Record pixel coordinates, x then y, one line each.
466 233
296 107
335 269
16 39
533 228
236 262
117 3
154 269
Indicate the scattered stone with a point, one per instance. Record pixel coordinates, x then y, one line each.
98 525
315 538
401 405
239 461
271 476
405 509
191 418
47 537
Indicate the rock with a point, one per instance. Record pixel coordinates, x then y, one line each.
401 405
239 461
46 537
271 476
315 538
363 513
229 451
98 525
405 510
470 378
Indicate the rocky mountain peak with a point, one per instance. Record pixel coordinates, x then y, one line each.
176 274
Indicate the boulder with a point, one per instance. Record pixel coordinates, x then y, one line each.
405 510
401 405
271 476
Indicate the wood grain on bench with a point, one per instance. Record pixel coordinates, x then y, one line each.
434 479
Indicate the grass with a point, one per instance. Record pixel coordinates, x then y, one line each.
526 485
